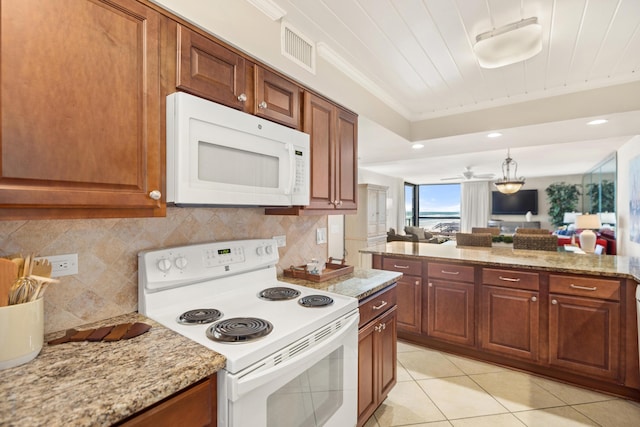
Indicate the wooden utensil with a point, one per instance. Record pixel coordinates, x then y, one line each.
41 267
8 275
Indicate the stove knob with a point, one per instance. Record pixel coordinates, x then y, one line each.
260 251
181 262
164 265
269 249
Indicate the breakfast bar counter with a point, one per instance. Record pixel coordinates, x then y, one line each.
560 314
501 256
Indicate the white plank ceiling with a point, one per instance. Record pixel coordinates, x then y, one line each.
417 56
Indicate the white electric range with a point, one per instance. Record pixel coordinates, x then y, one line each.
291 351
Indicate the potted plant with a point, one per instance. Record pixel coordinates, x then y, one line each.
562 198
602 196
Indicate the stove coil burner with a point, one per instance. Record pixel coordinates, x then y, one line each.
239 329
199 316
315 301
278 294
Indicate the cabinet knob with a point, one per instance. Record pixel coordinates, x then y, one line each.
534 299
155 195
430 285
242 97
554 302
417 283
262 105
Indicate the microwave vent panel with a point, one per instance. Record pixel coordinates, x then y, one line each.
298 48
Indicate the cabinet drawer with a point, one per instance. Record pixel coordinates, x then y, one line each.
511 279
586 287
413 268
459 273
377 304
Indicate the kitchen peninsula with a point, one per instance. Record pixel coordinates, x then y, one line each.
567 316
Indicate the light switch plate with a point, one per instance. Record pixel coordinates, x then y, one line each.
321 235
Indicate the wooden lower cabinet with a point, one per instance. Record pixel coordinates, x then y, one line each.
377 340
574 327
195 406
450 313
510 322
584 335
409 291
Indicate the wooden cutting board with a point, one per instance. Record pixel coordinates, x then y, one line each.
8 275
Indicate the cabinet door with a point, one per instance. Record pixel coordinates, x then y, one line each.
195 406
409 292
80 106
318 123
367 372
210 70
346 162
277 98
510 321
450 312
377 366
382 212
387 351
584 335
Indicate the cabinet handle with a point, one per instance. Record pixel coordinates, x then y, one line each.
534 299
430 285
455 273
339 202
378 307
262 105
155 195
554 302
379 327
417 283
401 266
508 279
584 288
242 97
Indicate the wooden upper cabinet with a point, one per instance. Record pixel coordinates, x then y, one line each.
210 70
80 109
277 98
334 135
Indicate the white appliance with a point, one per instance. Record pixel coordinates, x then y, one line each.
220 156
302 371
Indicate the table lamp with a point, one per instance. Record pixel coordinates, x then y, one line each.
587 223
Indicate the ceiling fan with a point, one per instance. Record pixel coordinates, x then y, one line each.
468 174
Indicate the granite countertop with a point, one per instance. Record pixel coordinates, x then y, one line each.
100 383
359 284
599 265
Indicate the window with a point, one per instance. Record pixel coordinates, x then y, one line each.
410 204
439 207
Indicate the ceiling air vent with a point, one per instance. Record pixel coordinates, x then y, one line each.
298 48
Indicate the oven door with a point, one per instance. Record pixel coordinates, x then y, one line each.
316 386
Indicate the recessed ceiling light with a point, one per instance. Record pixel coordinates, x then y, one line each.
417 146
597 122
494 135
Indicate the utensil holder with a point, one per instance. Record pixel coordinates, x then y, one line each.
21 332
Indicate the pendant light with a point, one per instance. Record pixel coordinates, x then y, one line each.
509 184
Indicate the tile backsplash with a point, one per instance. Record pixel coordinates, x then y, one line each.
107 281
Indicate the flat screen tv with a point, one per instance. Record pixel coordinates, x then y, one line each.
514 204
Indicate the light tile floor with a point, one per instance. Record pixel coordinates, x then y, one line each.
437 389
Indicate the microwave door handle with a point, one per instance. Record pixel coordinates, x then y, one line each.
292 168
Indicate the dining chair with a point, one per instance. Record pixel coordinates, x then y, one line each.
473 239
536 242
494 231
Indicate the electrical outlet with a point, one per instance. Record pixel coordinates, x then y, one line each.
281 241
321 236
62 265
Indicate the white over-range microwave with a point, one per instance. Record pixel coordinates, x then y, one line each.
220 156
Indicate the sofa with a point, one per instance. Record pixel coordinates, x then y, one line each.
421 235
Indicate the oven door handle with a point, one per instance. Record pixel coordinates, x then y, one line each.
243 383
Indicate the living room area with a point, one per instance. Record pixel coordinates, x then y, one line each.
405 220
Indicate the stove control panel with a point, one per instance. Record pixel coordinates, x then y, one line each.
168 267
